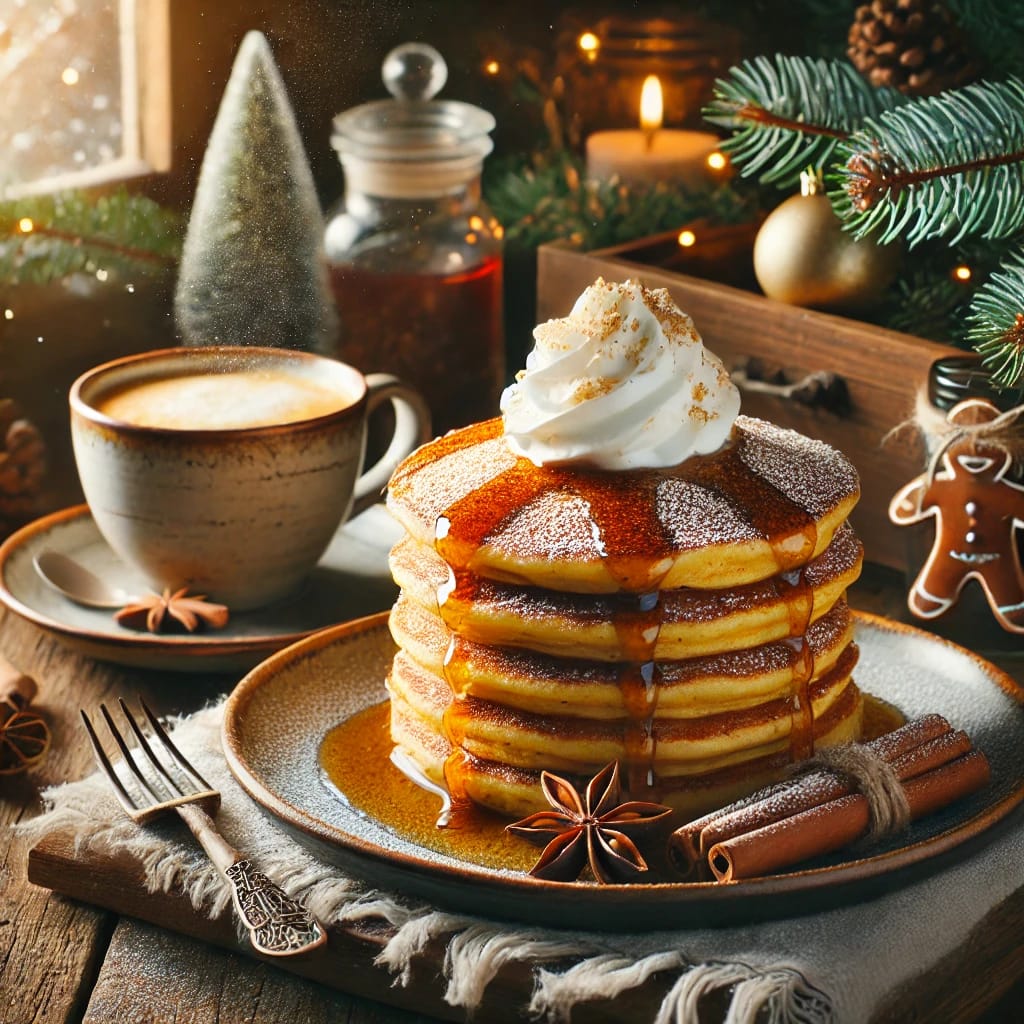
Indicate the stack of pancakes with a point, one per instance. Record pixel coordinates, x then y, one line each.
689 622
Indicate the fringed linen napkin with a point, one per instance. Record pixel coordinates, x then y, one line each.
837 966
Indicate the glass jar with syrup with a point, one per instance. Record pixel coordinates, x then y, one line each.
414 254
965 545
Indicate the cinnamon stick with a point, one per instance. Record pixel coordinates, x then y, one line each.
16 687
905 748
833 825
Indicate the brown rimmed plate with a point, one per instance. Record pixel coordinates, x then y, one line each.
278 715
351 579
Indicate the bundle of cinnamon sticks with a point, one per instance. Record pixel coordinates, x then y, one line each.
820 811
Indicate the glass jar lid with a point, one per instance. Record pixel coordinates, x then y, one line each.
412 145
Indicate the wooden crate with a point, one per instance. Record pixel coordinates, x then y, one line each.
880 371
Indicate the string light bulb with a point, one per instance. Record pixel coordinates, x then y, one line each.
717 160
69 76
962 272
589 43
492 67
26 225
686 238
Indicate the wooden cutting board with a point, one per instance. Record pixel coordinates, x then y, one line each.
115 881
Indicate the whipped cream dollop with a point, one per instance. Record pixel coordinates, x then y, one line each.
623 382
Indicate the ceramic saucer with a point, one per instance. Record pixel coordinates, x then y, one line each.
351 580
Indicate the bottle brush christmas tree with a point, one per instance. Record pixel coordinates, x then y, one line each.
934 169
252 268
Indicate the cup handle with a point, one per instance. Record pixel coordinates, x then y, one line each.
412 428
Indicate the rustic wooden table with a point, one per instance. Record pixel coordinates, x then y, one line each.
66 961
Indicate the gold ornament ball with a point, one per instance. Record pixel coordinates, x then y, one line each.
803 256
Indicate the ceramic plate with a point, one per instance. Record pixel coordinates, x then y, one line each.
352 579
277 716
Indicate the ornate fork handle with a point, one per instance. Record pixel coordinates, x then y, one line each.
278 925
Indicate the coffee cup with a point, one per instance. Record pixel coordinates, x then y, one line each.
227 470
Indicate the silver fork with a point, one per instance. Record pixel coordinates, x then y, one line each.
151 784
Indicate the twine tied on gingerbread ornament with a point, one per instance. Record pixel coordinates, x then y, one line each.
973 490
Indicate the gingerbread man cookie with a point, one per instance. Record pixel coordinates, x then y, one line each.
977 513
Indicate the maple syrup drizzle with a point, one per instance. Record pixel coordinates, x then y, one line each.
458 534
637 553
793 536
622 528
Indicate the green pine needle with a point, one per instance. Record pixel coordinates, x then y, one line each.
997 322
551 198
948 166
790 113
995 32
74 232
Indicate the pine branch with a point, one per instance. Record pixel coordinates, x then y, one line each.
929 299
995 29
790 113
997 319
947 166
73 232
550 198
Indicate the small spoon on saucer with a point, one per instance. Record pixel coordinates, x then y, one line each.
77 583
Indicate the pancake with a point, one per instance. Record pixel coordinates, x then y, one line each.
688 622
689 745
543 684
767 502
693 785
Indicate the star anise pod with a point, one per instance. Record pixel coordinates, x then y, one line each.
594 829
24 737
156 612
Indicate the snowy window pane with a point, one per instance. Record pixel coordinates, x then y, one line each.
70 88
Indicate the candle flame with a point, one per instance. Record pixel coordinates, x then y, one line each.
651 104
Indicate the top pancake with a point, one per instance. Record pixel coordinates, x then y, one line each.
767 502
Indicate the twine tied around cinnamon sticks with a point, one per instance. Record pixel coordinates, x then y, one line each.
836 799
872 776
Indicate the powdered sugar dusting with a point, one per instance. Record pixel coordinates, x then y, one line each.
696 517
555 522
810 473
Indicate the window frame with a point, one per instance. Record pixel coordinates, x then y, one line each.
145 45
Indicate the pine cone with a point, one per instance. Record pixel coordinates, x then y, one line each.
22 467
910 45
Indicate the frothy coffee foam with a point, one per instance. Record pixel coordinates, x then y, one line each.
233 400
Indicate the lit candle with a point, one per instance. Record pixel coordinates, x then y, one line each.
652 153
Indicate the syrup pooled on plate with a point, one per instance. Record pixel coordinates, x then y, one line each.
355 763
